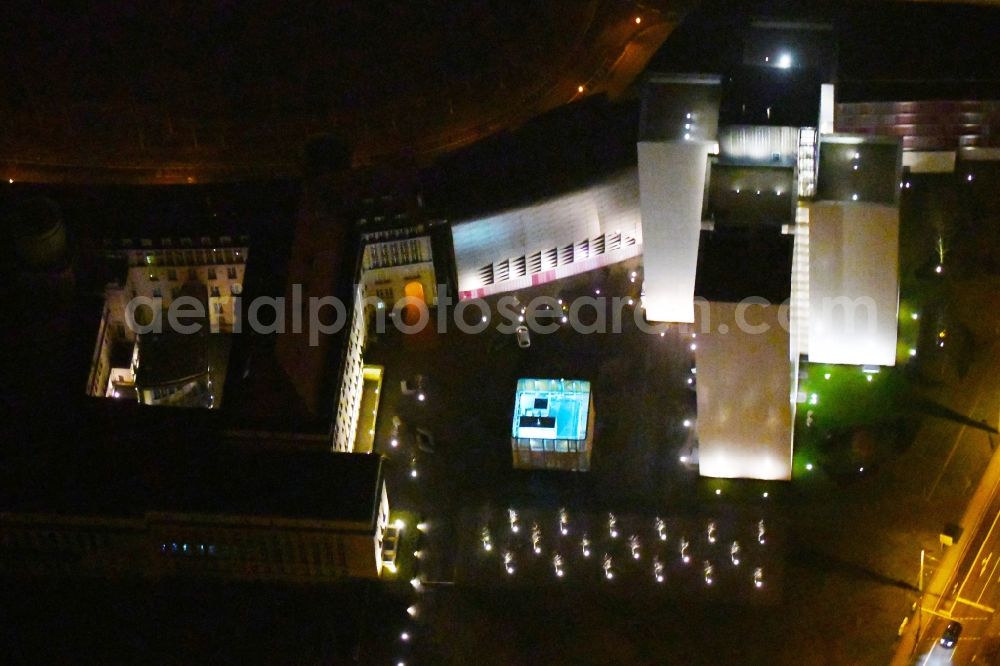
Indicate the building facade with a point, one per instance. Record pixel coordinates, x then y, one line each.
243 537
160 272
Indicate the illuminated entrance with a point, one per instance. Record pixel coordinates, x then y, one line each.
411 313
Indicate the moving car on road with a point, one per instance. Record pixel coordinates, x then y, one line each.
951 633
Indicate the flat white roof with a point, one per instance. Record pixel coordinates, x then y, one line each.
745 391
853 283
671 194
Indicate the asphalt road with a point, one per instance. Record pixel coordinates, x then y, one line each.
972 600
964 585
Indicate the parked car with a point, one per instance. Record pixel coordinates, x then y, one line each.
523 337
425 441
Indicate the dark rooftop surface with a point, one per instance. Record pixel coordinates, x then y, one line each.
562 150
171 356
770 96
918 90
751 195
675 106
742 262
164 474
876 178
118 212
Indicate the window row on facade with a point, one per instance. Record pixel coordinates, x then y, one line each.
544 260
192 274
556 445
196 257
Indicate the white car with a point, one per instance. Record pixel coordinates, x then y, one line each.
523 337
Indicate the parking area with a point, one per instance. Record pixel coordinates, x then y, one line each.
643 398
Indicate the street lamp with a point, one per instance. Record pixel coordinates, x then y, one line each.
661 528
920 581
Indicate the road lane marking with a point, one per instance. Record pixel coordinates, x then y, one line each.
945 614
986 585
985 563
974 604
986 540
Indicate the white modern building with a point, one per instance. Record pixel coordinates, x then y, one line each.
746 391
750 159
562 236
678 132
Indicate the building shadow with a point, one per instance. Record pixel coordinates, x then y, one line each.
827 563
